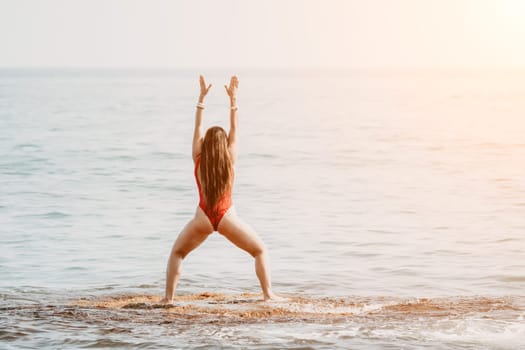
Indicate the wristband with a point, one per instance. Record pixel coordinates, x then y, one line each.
200 105
234 108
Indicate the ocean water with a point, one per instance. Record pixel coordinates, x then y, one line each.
392 204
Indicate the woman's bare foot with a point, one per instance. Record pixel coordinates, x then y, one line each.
273 297
166 301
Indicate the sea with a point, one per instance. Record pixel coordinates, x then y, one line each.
391 203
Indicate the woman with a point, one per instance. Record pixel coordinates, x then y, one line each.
214 157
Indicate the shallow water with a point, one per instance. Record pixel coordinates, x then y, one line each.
211 319
381 188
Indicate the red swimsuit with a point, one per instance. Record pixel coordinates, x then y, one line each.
223 204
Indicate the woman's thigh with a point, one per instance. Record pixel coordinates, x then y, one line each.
240 233
193 234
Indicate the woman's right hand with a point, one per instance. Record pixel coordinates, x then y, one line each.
232 89
204 89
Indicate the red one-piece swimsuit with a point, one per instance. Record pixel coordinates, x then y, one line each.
223 204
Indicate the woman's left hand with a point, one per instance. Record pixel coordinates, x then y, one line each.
204 89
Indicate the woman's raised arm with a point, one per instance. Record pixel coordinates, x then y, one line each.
232 136
197 133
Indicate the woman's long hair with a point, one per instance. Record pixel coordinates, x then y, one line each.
216 167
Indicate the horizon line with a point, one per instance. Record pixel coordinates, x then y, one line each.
265 68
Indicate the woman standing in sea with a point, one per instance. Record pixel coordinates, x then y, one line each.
214 156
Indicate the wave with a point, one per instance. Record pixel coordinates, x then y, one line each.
211 319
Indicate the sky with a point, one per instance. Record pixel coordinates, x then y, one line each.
268 34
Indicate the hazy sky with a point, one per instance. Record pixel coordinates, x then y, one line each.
265 33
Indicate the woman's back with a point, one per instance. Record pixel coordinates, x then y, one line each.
222 204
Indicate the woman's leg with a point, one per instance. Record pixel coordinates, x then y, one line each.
191 236
244 237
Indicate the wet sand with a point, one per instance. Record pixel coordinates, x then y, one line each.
249 307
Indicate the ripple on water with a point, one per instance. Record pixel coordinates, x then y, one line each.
48 215
511 278
27 146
